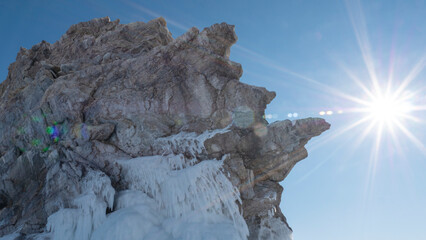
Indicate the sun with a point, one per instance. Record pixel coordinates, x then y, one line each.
388 108
385 111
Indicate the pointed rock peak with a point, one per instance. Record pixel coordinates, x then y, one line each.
160 21
219 38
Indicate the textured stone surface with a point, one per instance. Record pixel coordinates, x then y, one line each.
107 91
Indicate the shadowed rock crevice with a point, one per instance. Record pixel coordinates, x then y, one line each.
107 92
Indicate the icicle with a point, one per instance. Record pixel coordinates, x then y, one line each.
89 209
187 142
195 200
169 197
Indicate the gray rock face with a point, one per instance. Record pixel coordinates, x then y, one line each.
106 92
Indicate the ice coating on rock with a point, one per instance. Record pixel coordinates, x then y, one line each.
169 197
88 212
190 200
142 220
187 192
85 117
187 142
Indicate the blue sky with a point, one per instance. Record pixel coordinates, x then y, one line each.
352 186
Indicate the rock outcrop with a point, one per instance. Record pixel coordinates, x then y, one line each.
108 92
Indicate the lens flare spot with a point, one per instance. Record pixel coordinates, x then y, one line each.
36 119
45 149
270 116
49 130
35 142
21 130
53 132
260 130
243 117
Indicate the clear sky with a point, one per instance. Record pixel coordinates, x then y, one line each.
367 182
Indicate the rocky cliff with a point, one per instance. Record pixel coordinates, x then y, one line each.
113 118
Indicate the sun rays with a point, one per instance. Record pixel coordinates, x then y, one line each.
384 108
385 105
379 107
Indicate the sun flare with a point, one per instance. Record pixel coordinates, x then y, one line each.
388 108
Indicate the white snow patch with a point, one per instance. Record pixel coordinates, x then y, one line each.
271 116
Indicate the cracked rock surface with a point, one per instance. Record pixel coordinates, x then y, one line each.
107 91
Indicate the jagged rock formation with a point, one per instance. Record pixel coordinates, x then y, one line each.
72 112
